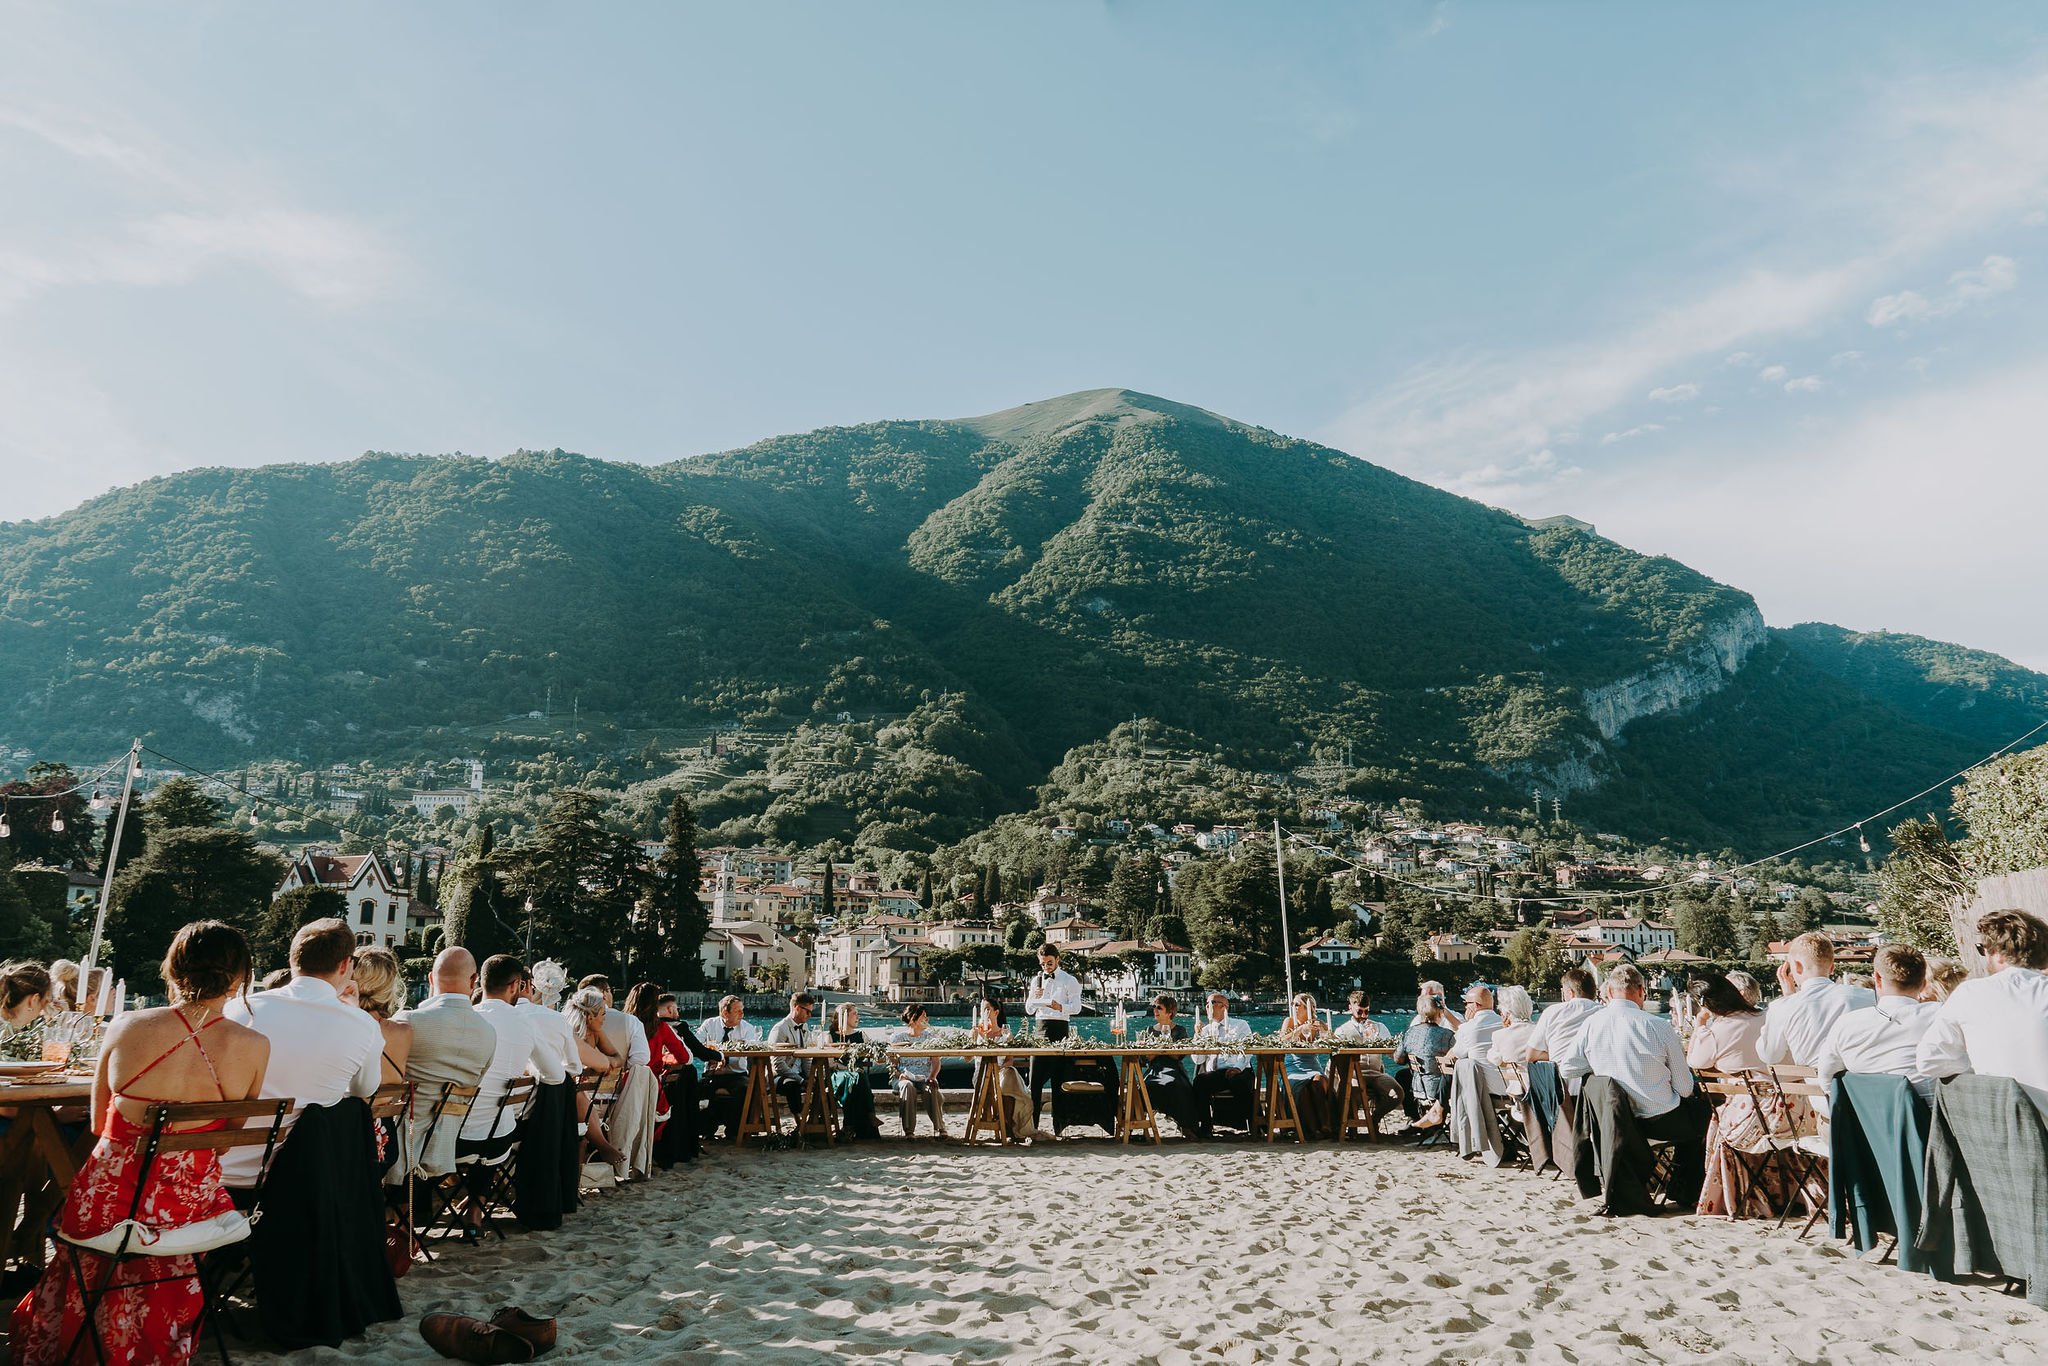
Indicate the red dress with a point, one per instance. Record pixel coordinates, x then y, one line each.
665 1050
145 1323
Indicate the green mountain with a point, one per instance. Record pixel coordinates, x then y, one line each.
1037 576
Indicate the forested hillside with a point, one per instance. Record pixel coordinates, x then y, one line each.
1029 580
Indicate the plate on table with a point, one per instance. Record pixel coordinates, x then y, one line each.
28 1071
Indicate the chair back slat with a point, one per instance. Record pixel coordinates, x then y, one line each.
392 1101
168 1118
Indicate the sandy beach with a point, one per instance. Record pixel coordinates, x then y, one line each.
1231 1252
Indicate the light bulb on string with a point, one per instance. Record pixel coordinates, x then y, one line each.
1862 840
99 801
6 830
57 824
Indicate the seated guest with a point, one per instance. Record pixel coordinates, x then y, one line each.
1166 1076
550 1172
1752 991
451 1044
991 1025
1510 1043
553 1027
1796 1025
585 1012
726 1079
1222 1074
672 1062
917 1078
1360 1027
1726 1031
792 1031
1478 1025
274 979
1641 1055
24 995
380 993
321 1050
185 1052
630 1125
1307 1074
1996 1026
1884 1037
1944 975
1476 1080
1557 1028
519 1050
1421 1050
852 1091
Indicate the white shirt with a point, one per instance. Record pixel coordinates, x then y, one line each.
1639 1051
1057 998
321 1050
1995 1026
638 1054
1475 1036
714 1032
1362 1031
560 1060
1881 1038
521 1048
1557 1028
785 1033
1227 1030
1796 1027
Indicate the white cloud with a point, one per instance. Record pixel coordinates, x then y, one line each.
1997 275
1643 429
1739 359
1845 358
1805 384
1494 483
1676 393
1921 494
1771 374
1931 161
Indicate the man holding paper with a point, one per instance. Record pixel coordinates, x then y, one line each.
1052 999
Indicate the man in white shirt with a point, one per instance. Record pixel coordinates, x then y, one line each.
790 1032
1557 1028
1481 1023
1796 1025
1052 999
1229 1073
1995 1026
1884 1037
521 1049
725 1081
321 1050
554 1029
451 1045
1642 1054
1360 1027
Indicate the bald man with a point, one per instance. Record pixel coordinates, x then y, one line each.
451 1042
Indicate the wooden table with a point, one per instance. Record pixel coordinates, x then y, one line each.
1135 1113
36 1164
761 1103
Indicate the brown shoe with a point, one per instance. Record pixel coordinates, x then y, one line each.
539 1332
467 1339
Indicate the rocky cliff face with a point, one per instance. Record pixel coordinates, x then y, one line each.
1700 672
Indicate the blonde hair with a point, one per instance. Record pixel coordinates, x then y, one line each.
589 1003
1945 975
380 982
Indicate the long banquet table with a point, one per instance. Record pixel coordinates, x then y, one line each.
1274 1110
37 1164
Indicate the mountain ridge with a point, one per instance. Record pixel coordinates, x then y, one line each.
1058 567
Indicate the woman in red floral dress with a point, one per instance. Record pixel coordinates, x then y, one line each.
183 1052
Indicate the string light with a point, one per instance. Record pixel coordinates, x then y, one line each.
99 801
1862 840
5 829
57 823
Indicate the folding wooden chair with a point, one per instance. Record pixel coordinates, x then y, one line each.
131 1238
496 1193
451 1109
1746 1162
601 1091
1507 1112
1807 1146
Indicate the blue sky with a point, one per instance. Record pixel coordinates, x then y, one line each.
1757 286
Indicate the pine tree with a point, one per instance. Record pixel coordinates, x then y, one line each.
991 891
924 890
678 919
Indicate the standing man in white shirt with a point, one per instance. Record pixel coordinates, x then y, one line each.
1884 1037
726 1079
1229 1073
321 1050
1052 999
1995 1026
1796 1025
1643 1055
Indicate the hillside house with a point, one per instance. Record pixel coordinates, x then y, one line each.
379 909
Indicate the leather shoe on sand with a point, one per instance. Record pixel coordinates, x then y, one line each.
467 1339
539 1332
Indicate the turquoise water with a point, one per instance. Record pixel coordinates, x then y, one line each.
1094 1028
